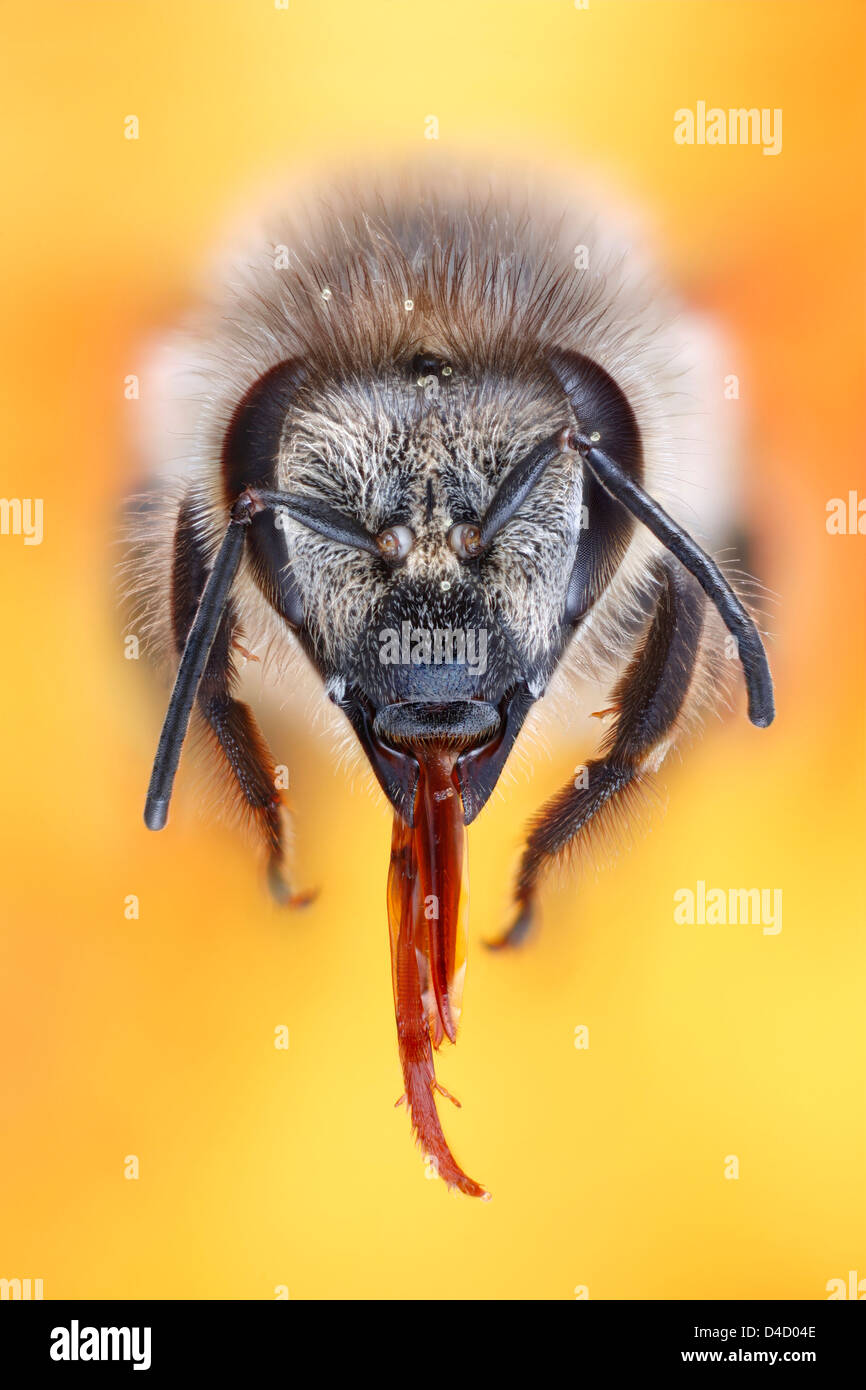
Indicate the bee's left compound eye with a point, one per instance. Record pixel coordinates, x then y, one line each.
395 543
465 540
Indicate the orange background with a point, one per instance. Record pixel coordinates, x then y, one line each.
155 1037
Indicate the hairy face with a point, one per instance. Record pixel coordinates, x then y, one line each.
435 636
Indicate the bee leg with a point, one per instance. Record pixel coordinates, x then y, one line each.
230 724
238 738
648 700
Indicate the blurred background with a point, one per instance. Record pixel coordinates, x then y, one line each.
154 1036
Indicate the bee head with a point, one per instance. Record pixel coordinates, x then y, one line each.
425 536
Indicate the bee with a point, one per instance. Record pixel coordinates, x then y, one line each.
429 450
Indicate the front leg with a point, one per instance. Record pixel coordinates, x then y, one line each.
648 701
230 725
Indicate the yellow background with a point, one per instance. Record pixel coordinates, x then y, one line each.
155 1037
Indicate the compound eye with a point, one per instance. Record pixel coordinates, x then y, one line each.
395 543
465 540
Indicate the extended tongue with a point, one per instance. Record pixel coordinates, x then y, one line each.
440 839
427 906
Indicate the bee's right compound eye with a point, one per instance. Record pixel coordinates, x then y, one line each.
395 543
465 540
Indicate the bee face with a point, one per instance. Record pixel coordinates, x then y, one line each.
434 631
